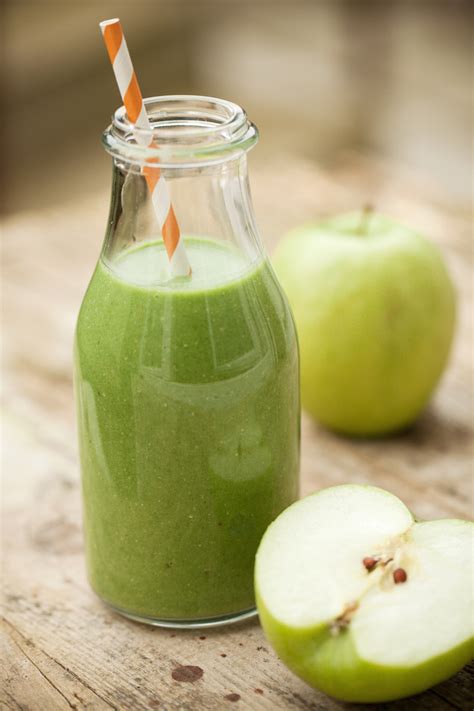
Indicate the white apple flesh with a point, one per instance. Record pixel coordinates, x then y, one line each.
362 601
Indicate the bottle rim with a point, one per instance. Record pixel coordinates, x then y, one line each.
185 130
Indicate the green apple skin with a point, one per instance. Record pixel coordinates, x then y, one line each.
311 655
375 313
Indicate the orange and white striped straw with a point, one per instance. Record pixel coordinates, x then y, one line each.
133 101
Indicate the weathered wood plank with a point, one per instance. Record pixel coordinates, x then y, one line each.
35 680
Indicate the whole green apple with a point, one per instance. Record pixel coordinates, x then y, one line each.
375 311
362 601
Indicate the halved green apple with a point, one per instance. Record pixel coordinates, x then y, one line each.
362 601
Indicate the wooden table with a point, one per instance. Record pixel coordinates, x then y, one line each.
64 649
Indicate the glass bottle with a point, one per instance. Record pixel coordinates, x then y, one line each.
187 388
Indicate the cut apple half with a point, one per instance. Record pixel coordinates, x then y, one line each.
361 600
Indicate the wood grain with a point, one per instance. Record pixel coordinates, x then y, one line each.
62 649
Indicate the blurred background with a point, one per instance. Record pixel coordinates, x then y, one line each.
320 78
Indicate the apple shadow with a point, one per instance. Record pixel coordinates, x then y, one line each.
430 429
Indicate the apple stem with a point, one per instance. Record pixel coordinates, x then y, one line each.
366 214
369 562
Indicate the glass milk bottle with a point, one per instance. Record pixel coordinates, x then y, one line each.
187 387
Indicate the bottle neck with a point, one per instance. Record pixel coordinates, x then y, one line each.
197 147
184 131
210 203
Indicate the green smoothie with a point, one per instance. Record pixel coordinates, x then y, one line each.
188 409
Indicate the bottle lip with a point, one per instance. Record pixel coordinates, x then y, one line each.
186 130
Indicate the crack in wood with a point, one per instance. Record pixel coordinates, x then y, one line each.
13 701
45 676
292 698
80 681
14 631
449 702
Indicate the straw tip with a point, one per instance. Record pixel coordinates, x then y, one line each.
106 23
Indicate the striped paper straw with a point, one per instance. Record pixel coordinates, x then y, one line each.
133 101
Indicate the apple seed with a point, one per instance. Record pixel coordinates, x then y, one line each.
399 576
369 562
